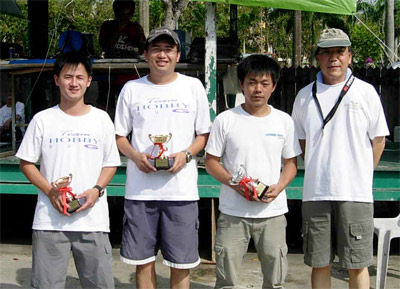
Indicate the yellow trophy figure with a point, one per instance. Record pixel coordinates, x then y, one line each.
68 196
161 161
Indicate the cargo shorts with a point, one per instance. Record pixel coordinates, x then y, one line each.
338 228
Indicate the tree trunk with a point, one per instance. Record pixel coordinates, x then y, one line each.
389 30
173 10
144 15
297 39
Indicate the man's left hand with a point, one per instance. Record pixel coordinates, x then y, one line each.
272 192
91 196
179 162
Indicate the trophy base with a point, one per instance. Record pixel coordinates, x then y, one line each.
261 189
162 164
73 206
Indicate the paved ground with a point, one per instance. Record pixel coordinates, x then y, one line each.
15 267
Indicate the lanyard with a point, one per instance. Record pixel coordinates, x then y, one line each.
330 115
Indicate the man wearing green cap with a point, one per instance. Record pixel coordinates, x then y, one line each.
341 126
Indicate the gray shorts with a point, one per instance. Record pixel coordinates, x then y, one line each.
232 240
344 229
50 255
169 226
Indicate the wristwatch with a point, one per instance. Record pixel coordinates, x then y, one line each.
101 190
189 156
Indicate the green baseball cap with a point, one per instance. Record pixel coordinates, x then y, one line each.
333 37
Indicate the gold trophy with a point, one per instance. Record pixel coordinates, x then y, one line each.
160 162
240 178
67 195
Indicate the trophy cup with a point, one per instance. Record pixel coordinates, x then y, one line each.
67 195
240 178
160 162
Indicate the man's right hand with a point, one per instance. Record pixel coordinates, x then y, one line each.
241 191
56 200
141 161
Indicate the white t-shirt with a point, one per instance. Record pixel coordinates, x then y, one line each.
80 145
259 143
5 113
179 108
339 161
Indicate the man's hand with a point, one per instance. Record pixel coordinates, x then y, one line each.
142 162
6 124
272 192
242 191
91 196
56 200
179 162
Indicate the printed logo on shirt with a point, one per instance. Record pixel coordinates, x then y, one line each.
156 104
277 135
352 105
69 138
181 110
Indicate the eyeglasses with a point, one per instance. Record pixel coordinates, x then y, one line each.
340 51
158 50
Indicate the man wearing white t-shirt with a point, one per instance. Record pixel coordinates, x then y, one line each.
78 139
258 137
340 123
6 117
161 211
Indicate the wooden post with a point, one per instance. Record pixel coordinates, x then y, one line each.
211 58
13 120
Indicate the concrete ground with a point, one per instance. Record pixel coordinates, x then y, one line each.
15 267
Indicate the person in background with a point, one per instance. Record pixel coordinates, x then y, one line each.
341 126
6 119
161 210
71 138
122 38
119 38
261 138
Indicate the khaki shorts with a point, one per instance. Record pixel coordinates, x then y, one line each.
345 229
50 255
232 240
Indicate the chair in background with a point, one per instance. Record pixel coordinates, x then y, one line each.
386 229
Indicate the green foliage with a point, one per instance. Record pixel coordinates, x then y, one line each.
365 45
259 29
193 18
84 16
13 29
157 14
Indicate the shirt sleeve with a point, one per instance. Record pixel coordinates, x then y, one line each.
123 116
292 146
377 123
20 110
2 120
111 156
217 139
31 146
297 118
202 123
